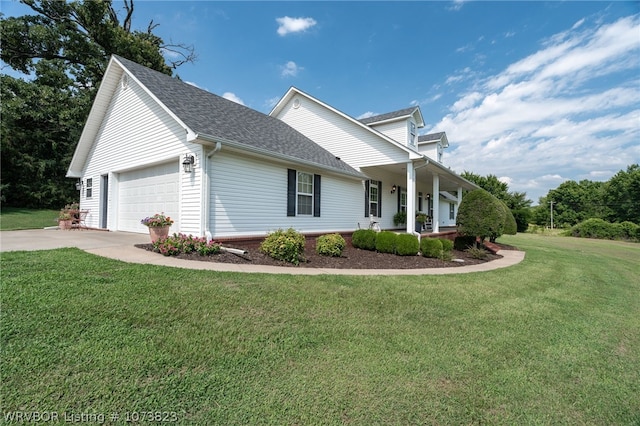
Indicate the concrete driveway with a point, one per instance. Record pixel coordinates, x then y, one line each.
120 246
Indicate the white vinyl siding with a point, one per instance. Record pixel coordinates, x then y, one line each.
354 144
135 133
249 198
396 130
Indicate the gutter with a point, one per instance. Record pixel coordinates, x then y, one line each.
206 193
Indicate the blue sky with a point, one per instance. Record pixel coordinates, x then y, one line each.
535 93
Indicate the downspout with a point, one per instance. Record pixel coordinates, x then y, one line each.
426 163
206 193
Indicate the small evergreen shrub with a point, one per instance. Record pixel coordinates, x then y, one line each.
386 242
330 245
408 245
464 242
400 218
431 247
364 239
447 245
284 245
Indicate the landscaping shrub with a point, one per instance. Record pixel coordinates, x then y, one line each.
481 215
364 239
477 252
629 230
408 245
284 245
464 242
386 242
598 228
400 218
431 247
330 245
447 245
181 243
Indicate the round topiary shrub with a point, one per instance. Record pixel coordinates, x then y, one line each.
364 239
431 247
284 245
447 245
408 245
386 242
330 245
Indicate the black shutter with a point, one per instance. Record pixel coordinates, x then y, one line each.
399 197
366 198
291 192
316 195
379 198
419 201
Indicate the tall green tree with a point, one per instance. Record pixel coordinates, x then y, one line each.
622 196
63 49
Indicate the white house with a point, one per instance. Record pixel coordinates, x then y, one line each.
153 143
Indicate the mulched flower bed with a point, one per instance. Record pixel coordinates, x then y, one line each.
352 258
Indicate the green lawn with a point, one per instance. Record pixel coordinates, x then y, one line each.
553 340
13 218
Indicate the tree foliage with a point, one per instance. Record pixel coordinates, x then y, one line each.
481 215
616 200
63 48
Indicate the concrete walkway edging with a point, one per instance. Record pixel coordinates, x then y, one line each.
120 246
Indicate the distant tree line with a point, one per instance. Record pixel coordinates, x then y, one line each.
616 200
63 49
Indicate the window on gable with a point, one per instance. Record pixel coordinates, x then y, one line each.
89 188
303 194
412 133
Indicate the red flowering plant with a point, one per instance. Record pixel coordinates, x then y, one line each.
158 220
181 243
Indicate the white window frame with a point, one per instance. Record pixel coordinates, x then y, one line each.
412 133
300 192
373 184
88 188
403 200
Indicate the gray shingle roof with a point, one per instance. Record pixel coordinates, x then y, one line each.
389 115
431 137
211 115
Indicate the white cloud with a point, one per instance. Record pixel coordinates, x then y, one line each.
294 25
568 109
232 97
290 69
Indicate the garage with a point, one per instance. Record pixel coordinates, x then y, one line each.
147 191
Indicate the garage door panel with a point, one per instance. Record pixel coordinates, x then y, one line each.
145 192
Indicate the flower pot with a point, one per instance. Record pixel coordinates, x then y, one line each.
158 232
65 224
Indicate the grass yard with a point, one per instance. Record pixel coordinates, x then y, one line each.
13 218
553 340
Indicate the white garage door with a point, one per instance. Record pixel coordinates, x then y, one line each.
145 192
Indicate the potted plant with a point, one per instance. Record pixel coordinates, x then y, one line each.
400 218
65 219
158 225
421 219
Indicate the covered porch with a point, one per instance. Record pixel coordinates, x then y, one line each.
421 186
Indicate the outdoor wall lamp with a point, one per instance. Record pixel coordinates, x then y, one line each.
79 185
393 189
188 163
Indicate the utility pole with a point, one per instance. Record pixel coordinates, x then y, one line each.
551 208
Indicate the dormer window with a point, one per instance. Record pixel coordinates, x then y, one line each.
412 133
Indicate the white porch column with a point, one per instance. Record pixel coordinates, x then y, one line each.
411 198
435 220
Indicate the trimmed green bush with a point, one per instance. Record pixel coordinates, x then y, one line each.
431 247
400 218
408 245
481 215
447 245
598 228
330 245
464 242
387 242
364 239
284 245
